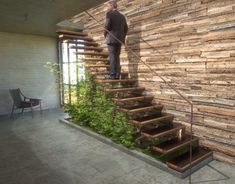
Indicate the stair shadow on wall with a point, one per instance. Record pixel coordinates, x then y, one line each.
134 58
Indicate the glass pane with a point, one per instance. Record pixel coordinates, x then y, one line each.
65 74
66 94
73 71
81 71
73 94
72 55
64 53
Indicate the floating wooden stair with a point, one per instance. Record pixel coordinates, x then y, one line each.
97 66
152 119
136 109
174 144
162 131
87 48
66 36
181 163
105 73
78 42
94 59
76 33
121 90
103 54
136 98
116 81
153 126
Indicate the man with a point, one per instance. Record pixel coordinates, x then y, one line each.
116 24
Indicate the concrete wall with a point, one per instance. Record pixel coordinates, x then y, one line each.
22 60
194 51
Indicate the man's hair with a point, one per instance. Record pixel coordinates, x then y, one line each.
113 3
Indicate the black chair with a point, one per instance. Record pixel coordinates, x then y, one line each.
21 102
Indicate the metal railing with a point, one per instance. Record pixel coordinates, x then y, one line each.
155 73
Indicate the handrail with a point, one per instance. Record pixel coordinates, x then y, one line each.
154 72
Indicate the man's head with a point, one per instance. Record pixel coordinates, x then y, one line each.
111 5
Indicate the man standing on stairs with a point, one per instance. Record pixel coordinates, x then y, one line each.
117 29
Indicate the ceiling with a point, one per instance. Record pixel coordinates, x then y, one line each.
39 17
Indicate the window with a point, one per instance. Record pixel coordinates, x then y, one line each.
72 69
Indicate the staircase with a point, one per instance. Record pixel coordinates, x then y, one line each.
154 128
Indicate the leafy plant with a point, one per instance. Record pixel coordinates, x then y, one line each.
95 109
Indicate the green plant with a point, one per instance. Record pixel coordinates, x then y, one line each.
54 69
95 109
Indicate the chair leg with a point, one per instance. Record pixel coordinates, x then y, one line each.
40 108
22 112
32 111
12 111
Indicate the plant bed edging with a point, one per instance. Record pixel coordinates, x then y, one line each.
146 158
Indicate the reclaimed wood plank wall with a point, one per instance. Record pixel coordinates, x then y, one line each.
194 50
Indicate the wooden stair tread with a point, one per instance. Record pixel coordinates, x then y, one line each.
87 43
123 89
107 73
96 65
174 144
86 48
141 108
151 119
77 33
115 81
161 131
76 37
93 53
127 99
93 59
181 163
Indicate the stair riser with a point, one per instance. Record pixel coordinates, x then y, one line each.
86 43
106 75
87 48
75 33
152 126
94 67
67 36
164 134
154 122
172 155
124 91
95 54
144 109
141 110
187 144
133 100
182 169
133 103
116 81
95 60
142 142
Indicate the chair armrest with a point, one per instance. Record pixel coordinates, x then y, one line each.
35 100
39 99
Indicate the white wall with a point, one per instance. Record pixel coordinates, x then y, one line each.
22 60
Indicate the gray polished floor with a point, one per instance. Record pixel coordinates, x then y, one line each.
44 151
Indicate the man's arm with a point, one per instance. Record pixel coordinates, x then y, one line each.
107 24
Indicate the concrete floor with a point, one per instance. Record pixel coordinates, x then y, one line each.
44 151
